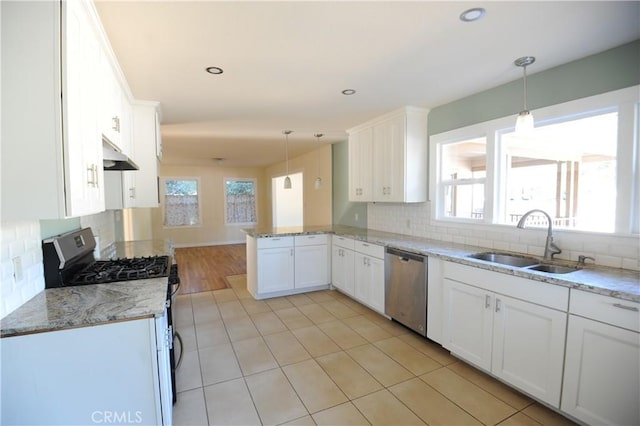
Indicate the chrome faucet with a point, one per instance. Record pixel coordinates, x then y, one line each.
550 249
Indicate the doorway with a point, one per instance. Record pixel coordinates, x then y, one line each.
287 203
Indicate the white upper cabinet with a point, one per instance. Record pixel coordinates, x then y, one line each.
360 165
61 95
138 188
388 158
51 146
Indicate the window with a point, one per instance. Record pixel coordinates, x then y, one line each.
240 201
181 202
580 165
463 174
567 169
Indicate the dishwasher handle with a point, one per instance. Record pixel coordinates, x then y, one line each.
405 256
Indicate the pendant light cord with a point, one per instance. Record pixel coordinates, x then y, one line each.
525 87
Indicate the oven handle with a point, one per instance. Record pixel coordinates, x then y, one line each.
177 335
176 290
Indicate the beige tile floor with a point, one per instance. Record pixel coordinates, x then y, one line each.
322 358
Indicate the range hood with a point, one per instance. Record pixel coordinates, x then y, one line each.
114 159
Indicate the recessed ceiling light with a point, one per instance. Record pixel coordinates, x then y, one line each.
214 70
471 15
348 92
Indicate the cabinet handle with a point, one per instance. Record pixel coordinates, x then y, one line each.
115 123
132 192
628 308
90 175
95 166
497 305
275 239
487 301
291 252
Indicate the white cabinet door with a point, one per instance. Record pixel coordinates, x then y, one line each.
82 143
343 274
528 347
369 281
376 277
362 287
311 266
360 165
389 160
602 371
468 322
275 269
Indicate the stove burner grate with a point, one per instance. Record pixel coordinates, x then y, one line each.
127 269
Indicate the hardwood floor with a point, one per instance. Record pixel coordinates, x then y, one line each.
205 268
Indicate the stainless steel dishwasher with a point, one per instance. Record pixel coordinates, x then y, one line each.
406 289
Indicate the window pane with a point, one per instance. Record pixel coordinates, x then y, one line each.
240 201
464 160
181 202
464 201
566 169
464 169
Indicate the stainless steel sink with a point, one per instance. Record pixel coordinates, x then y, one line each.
552 269
506 259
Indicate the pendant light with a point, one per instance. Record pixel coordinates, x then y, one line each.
524 123
318 183
287 180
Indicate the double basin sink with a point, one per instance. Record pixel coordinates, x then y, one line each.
522 262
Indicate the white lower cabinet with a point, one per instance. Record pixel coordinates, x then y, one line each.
342 265
113 373
277 266
369 275
519 342
602 366
312 263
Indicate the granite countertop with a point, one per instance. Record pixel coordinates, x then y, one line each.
88 305
614 282
122 249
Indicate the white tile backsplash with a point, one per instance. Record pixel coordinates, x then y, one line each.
103 227
608 250
21 240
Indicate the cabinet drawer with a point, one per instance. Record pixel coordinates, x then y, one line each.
343 242
311 240
618 312
372 250
275 242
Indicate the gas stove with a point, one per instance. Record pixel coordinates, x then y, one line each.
69 261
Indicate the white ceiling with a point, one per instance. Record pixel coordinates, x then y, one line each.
286 63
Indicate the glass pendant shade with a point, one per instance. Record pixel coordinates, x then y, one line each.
287 183
524 123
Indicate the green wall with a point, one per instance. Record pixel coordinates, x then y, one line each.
610 70
344 212
49 228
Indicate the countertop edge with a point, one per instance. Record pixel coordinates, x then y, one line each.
459 253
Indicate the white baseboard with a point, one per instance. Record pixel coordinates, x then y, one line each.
211 243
